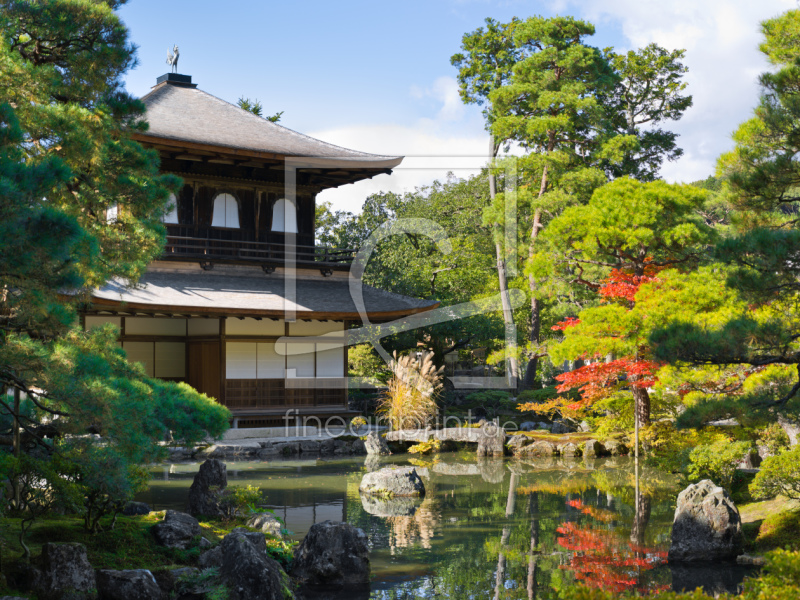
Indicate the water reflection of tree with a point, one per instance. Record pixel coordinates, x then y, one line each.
602 557
500 540
417 529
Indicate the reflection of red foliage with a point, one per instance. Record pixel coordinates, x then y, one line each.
598 514
602 558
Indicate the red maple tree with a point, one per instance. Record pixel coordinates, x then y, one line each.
599 379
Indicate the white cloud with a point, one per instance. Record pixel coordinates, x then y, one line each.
429 154
721 39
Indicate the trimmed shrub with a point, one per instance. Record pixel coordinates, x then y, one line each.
779 475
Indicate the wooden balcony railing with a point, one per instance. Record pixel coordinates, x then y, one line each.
192 247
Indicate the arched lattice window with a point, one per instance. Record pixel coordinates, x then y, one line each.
226 212
284 216
172 216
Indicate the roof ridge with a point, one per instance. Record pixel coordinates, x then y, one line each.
346 153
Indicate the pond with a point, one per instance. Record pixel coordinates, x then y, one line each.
489 528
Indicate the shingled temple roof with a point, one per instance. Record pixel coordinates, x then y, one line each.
181 112
246 291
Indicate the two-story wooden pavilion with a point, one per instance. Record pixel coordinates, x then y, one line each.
240 269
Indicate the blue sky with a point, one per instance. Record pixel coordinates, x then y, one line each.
376 76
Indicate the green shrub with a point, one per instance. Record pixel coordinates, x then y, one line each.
491 398
779 475
238 500
545 394
717 461
774 438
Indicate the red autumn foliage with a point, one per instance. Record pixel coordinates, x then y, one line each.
599 379
568 322
620 285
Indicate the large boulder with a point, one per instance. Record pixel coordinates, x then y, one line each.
247 571
137 584
376 444
561 426
65 573
528 426
593 449
707 526
517 442
333 554
206 490
266 523
615 448
492 440
538 448
177 530
570 450
393 481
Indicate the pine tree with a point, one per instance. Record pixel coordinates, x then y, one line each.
67 159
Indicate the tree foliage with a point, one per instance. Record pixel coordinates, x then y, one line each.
68 162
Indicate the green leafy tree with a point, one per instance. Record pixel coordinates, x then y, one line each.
550 107
80 203
760 183
485 64
648 92
627 232
255 107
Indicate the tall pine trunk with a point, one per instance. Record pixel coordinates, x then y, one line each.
505 300
536 305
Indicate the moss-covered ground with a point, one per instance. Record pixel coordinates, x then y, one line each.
130 545
771 524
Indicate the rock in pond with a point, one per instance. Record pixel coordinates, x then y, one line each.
177 530
516 442
707 526
138 584
593 448
376 444
492 440
65 573
569 450
247 571
206 490
393 481
538 448
615 448
333 554
266 523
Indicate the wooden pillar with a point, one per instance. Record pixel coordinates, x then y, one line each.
222 361
345 326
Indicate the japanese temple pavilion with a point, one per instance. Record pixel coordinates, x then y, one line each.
240 268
